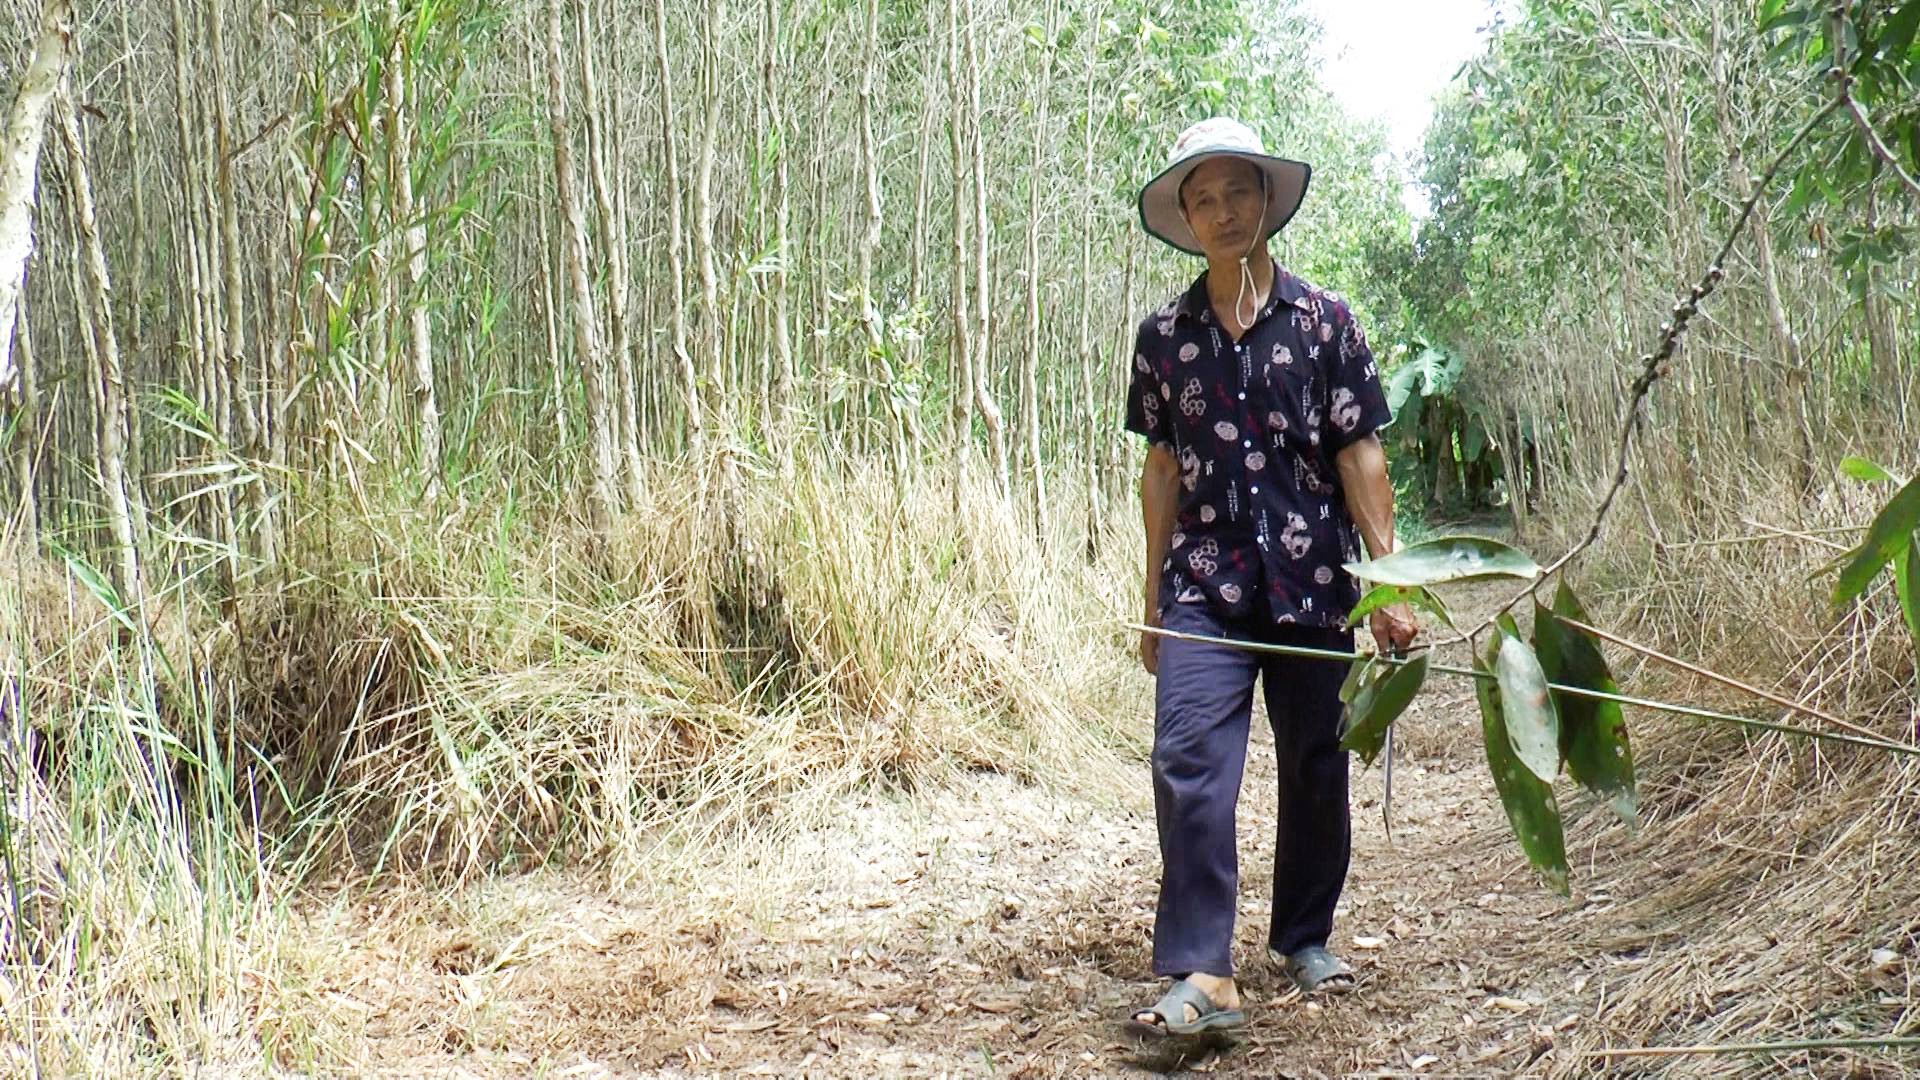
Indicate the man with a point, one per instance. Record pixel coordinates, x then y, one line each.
1261 401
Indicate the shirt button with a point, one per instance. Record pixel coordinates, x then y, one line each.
1255 489
1247 443
1243 395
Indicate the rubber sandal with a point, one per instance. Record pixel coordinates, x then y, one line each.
1316 971
1207 1015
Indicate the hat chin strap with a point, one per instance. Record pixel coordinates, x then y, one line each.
1249 291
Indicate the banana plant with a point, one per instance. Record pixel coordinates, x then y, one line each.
1537 714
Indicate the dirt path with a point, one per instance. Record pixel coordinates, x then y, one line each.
987 929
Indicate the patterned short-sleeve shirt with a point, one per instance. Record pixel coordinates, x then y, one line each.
1256 425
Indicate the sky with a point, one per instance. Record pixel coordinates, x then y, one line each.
1386 59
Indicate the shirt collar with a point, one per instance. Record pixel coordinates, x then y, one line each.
1286 289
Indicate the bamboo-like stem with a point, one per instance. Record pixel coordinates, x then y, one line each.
783 410
413 228
620 344
1030 355
990 416
586 332
676 271
19 167
123 503
960 352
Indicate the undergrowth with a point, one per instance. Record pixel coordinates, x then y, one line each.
443 695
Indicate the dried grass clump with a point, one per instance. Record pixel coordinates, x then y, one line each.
1771 869
458 692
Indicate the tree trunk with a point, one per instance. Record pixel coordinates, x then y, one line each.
586 335
676 270
961 380
419 329
869 240
110 401
233 283
983 287
783 406
20 164
1089 402
1785 340
1030 356
628 452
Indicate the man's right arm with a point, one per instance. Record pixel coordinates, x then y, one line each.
1159 503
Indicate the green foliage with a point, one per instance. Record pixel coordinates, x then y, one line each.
1532 722
1382 693
1534 725
1449 559
1528 800
1593 733
1893 538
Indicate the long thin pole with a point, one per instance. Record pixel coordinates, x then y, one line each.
1757 1048
1574 691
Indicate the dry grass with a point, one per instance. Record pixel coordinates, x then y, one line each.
1770 870
442 696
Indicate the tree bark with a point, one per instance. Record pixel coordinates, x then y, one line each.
20 164
869 240
110 400
621 342
961 380
782 410
586 333
414 233
676 270
990 415
1030 356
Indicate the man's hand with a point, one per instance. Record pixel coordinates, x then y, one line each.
1150 646
1394 628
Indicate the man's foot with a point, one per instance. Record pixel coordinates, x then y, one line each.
1197 1003
1317 971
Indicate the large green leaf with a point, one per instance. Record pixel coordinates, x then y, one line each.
1356 674
1890 533
1378 702
1387 595
1533 724
1528 800
1452 558
1906 567
1593 734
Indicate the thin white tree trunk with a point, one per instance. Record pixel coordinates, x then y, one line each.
783 410
610 236
1030 356
20 165
676 270
1089 404
990 415
586 332
870 240
961 376
123 505
419 328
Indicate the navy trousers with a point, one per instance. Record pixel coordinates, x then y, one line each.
1203 708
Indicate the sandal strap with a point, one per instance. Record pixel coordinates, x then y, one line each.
1182 993
1314 966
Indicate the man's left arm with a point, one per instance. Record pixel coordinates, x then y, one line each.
1369 491
1359 410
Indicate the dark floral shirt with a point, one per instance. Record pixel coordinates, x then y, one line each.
1255 425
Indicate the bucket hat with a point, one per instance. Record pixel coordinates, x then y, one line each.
1286 180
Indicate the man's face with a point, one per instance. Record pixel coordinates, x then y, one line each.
1224 205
